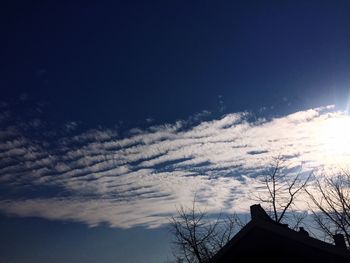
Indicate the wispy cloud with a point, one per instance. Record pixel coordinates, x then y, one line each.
99 176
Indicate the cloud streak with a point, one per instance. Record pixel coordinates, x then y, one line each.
98 176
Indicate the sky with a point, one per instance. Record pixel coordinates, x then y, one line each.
115 113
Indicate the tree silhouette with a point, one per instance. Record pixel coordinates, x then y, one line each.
330 196
280 188
197 237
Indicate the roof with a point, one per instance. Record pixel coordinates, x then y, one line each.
285 238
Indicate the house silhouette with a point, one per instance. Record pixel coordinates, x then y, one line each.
264 240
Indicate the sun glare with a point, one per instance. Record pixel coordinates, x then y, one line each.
334 136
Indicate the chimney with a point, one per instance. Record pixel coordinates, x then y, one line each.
258 213
303 231
339 241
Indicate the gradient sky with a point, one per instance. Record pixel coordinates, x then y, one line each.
112 113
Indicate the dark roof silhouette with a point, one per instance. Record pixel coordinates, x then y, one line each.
264 240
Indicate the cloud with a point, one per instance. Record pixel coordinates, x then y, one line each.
97 176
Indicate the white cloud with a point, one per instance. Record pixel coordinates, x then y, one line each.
139 179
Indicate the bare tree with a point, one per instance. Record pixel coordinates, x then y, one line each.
331 198
280 188
197 237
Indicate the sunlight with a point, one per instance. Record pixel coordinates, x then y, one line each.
334 136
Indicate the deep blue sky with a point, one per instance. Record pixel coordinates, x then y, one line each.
104 62
121 62
36 240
